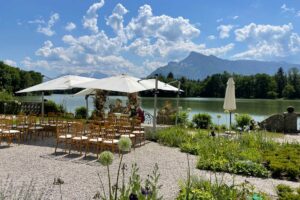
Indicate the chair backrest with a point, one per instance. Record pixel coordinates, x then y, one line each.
77 128
61 129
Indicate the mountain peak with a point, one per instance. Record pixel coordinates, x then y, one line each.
199 66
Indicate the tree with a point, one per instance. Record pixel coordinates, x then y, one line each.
170 76
280 79
289 91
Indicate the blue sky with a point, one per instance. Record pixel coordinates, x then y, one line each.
135 37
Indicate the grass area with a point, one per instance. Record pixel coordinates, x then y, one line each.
250 154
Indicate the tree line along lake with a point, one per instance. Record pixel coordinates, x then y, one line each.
259 109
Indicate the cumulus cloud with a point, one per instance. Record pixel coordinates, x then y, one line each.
70 26
115 20
162 27
267 41
10 62
149 40
46 28
90 20
235 17
224 30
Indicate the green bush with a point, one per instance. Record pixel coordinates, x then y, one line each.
51 106
80 112
284 161
242 120
173 136
182 118
202 120
285 192
5 96
249 168
200 189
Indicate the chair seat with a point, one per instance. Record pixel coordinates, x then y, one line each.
68 136
138 132
10 131
80 138
124 131
22 126
128 135
114 141
95 140
36 128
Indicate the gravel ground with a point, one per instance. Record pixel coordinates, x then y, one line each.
36 162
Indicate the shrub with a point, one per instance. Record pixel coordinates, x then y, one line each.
284 161
202 120
189 147
51 106
5 96
80 112
199 189
173 136
182 118
249 168
243 120
285 192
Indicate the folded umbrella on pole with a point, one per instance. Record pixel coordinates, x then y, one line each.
229 101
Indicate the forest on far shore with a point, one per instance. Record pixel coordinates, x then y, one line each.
260 86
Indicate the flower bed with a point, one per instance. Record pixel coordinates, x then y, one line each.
250 154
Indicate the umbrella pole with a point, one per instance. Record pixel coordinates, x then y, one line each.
155 103
87 106
177 104
229 120
43 106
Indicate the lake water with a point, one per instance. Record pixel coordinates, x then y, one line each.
259 109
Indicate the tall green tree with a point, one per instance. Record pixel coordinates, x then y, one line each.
281 81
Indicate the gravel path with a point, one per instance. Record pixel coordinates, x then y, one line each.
36 162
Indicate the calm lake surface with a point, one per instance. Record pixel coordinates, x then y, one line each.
259 109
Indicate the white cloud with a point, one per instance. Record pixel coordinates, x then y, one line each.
46 28
224 30
90 20
162 27
115 20
10 62
149 40
267 41
219 20
284 9
211 37
235 17
261 31
37 21
70 26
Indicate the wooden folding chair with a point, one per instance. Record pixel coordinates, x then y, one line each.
79 139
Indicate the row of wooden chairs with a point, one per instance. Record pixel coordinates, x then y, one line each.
99 135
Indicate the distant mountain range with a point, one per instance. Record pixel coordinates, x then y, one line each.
199 66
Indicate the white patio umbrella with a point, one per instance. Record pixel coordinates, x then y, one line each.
229 101
120 83
150 84
62 83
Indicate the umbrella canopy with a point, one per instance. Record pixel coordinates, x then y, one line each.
150 84
85 92
61 83
120 83
229 101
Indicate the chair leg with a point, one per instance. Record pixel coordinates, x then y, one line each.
56 146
